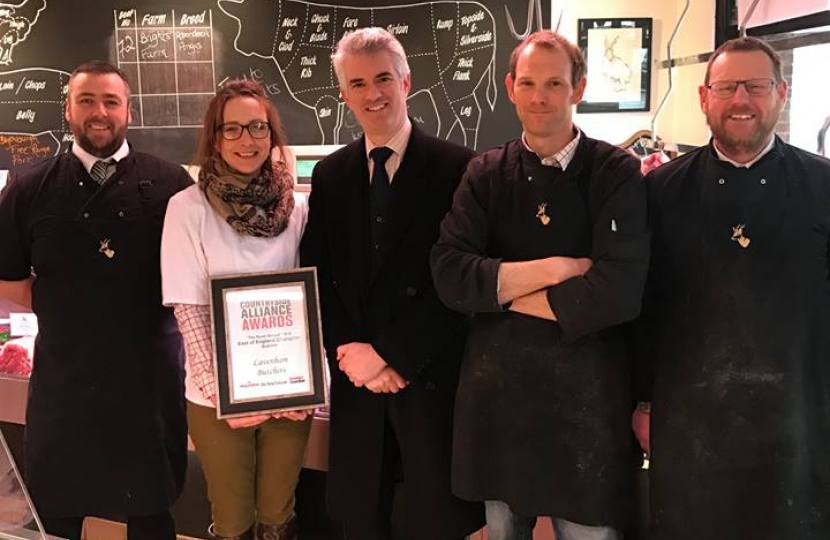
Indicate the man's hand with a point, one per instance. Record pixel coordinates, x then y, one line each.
18 292
518 279
564 268
389 381
534 304
360 362
640 423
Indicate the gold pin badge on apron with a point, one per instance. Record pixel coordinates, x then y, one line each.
105 248
542 215
739 237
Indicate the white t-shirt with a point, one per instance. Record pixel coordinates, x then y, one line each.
197 244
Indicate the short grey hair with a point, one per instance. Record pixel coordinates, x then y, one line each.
370 40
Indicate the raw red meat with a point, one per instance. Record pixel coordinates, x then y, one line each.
15 359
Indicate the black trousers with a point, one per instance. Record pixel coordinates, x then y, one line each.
153 527
391 475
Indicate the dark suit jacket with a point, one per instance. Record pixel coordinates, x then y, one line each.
396 309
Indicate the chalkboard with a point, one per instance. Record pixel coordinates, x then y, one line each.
177 52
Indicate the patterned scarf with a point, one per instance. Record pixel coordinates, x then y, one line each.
258 205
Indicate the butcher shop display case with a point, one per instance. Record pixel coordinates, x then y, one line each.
192 510
18 518
5 331
17 342
16 356
15 367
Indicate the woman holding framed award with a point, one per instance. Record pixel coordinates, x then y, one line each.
241 217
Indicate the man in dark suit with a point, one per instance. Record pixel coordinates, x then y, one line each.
375 209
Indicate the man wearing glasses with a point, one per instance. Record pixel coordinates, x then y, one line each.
737 320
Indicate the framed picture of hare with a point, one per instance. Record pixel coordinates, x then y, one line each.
618 54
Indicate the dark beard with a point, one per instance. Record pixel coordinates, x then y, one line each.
747 145
101 151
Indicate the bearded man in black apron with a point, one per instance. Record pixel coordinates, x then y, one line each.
106 433
739 320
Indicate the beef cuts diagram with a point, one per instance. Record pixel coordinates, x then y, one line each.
176 53
31 100
16 21
450 48
31 104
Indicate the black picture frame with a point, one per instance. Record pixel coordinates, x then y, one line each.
618 54
258 319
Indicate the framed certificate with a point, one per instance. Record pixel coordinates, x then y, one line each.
268 343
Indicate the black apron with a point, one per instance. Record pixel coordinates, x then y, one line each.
106 431
741 408
541 423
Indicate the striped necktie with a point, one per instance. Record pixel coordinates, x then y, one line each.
100 170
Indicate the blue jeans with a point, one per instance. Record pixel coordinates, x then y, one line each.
503 524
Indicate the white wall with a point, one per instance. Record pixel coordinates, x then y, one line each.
808 105
685 122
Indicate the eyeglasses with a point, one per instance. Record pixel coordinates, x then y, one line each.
232 131
754 87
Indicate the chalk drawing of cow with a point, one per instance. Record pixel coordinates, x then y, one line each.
16 20
449 63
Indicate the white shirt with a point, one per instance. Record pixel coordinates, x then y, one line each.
561 158
398 144
197 244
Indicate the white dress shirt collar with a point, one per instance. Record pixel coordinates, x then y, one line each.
89 160
751 162
563 157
